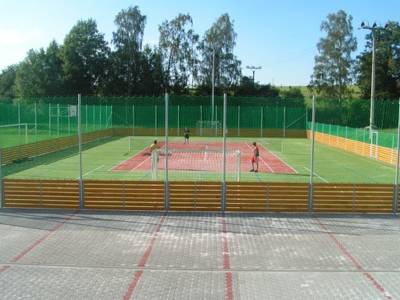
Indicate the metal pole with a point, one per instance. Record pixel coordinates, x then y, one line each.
69 121
49 118
58 119
111 116
261 121
86 117
178 120
311 182
201 120
19 119
81 195
100 116
223 206
133 120
155 119
213 85
396 182
35 120
166 187
238 130
372 109
284 121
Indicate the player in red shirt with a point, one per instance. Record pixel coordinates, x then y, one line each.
255 157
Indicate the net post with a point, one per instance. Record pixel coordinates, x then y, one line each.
395 205
166 181
223 204
311 180
81 191
1 180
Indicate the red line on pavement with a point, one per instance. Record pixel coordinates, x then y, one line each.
39 241
226 262
3 268
142 262
356 264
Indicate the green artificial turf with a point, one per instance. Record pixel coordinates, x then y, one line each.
331 165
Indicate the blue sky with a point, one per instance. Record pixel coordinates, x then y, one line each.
280 36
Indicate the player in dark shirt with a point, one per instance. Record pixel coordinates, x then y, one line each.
186 133
255 158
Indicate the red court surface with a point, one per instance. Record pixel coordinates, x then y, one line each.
210 161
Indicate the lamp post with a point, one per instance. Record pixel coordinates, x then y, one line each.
212 84
253 68
372 108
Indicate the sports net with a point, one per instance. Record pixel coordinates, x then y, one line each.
198 158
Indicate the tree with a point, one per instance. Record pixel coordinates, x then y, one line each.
333 63
152 73
387 63
40 74
178 44
126 61
7 81
85 54
220 38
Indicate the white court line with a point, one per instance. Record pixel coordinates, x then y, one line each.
267 165
131 170
117 164
87 173
266 148
320 177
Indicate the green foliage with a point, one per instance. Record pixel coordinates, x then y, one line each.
40 74
177 45
333 64
221 38
84 54
7 81
387 63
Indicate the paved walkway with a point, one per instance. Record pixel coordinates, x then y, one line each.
50 255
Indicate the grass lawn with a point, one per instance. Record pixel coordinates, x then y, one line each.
99 158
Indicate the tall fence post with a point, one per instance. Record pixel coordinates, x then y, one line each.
19 119
81 192
166 182
396 182
223 204
311 182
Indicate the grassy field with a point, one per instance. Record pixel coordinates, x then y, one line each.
99 158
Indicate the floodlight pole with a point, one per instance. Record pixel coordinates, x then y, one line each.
213 85
372 109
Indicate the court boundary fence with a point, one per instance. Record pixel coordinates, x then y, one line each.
200 196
